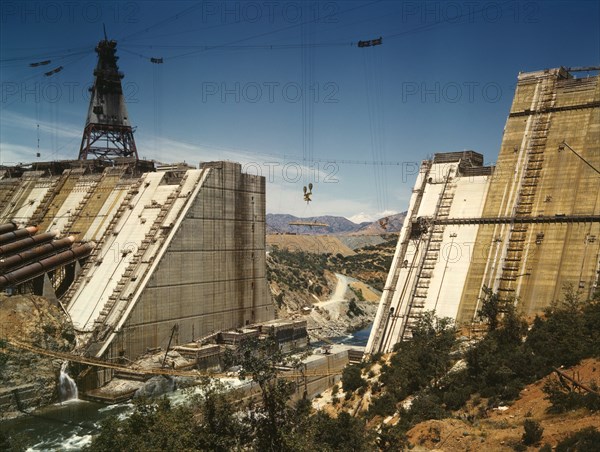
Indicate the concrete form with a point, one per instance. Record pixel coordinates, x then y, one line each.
524 229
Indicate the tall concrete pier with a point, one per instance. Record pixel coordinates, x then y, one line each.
177 246
525 228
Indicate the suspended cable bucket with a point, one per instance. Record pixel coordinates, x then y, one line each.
53 71
371 42
40 63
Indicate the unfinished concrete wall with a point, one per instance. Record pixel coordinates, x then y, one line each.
21 196
537 176
527 230
181 246
432 259
212 275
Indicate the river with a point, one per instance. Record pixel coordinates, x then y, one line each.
70 425
65 426
359 337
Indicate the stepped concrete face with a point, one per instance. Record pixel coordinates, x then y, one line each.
181 247
525 228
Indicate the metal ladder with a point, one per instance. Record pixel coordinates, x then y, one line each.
93 257
511 266
388 292
74 215
8 194
151 237
44 205
429 258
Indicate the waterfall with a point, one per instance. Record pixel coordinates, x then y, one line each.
67 388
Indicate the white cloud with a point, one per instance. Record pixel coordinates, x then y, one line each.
288 198
284 176
23 122
11 154
363 217
276 169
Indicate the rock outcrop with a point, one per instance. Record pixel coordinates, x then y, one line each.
29 380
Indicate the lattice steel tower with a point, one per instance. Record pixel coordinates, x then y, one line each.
107 134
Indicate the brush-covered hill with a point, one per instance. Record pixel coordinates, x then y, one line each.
521 385
280 224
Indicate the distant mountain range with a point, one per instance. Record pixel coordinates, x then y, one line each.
280 223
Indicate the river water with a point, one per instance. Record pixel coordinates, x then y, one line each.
359 337
70 425
65 426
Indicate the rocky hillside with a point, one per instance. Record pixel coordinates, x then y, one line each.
503 429
385 225
513 385
305 285
280 223
35 320
369 264
528 424
315 244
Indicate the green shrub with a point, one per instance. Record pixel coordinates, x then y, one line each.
375 357
352 378
571 326
384 405
358 293
354 309
533 432
581 441
421 361
344 433
392 439
424 407
456 396
375 387
562 399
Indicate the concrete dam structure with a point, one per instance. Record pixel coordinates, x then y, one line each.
526 228
134 251
175 246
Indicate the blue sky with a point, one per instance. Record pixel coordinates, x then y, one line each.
282 87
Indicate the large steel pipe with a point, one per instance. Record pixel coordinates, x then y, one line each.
45 265
7 227
8 237
35 253
27 242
